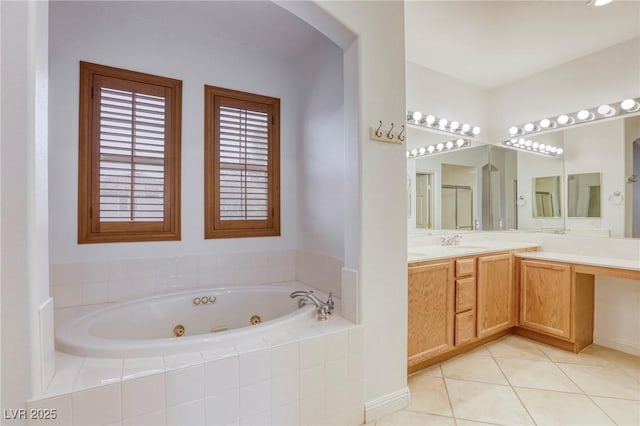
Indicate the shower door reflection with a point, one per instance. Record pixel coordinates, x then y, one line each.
457 207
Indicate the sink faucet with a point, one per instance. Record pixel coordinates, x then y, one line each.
322 308
450 241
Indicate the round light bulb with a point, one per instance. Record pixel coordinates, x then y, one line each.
422 150
513 130
431 148
529 127
507 143
460 142
548 148
553 149
454 125
414 152
442 123
563 119
629 105
583 115
430 119
545 123
449 145
535 145
559 151
528 142
417 115
541 147
408 154
466 127
476 130
521 141
605 110
440 146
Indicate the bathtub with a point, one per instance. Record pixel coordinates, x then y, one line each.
188 321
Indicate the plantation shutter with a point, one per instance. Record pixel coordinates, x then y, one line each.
242 156
132 155
244 161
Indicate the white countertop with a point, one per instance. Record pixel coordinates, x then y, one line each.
607 262
435 252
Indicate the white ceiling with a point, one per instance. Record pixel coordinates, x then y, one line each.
491 43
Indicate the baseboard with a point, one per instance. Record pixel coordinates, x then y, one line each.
386 404
617 344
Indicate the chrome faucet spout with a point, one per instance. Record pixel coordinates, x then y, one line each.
322 308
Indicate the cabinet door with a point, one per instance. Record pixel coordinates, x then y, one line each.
431 293
545 293
496 294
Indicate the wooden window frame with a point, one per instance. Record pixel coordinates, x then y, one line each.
242 228
90 228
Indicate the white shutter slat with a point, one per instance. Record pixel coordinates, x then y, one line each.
244 162
132 156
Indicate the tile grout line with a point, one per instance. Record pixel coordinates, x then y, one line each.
446 389
601 409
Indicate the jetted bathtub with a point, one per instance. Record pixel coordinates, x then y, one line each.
193 320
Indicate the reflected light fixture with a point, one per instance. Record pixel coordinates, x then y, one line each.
531 146
442 147
441 124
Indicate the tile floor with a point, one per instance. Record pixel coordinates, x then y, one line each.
516 381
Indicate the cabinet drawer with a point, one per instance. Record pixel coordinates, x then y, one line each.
465 294
465 267
465 327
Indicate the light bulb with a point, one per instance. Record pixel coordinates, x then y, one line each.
629 105
599 3
553 149
408 154
465 128
414 152
535 145
431 148
521 141
417 115
563 119
460 142
442 123
449 145
545 123
559 151
584 115
528 142
454 125
440 146
529 127
507 143
422 150
605 110
513 131
476 130
548 148
430 119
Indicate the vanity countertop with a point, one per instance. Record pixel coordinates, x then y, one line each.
599 261
472 248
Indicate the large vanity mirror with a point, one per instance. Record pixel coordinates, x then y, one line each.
583 195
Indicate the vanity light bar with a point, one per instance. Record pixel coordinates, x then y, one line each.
531 146
429 121
438 148
627 106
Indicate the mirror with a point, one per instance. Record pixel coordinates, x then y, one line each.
546 196
583 192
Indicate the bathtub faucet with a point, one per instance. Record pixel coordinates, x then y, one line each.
322 308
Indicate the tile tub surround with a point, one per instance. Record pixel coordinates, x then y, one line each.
295 376
515 381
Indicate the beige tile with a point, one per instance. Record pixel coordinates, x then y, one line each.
486 403
530 373
586 357
474 367
626 362
603 381
434 371
412 418
463 422
429 395
516 347
623 411
557 408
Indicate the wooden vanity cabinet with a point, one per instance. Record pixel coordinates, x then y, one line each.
431 311
496 294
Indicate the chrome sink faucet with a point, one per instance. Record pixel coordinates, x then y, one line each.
322 308
450 241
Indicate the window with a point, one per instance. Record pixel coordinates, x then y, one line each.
242 164
129 156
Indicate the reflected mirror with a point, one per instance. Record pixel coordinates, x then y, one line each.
546 196
583 195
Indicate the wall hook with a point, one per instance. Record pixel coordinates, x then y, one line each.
378 132
389 134
401 134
